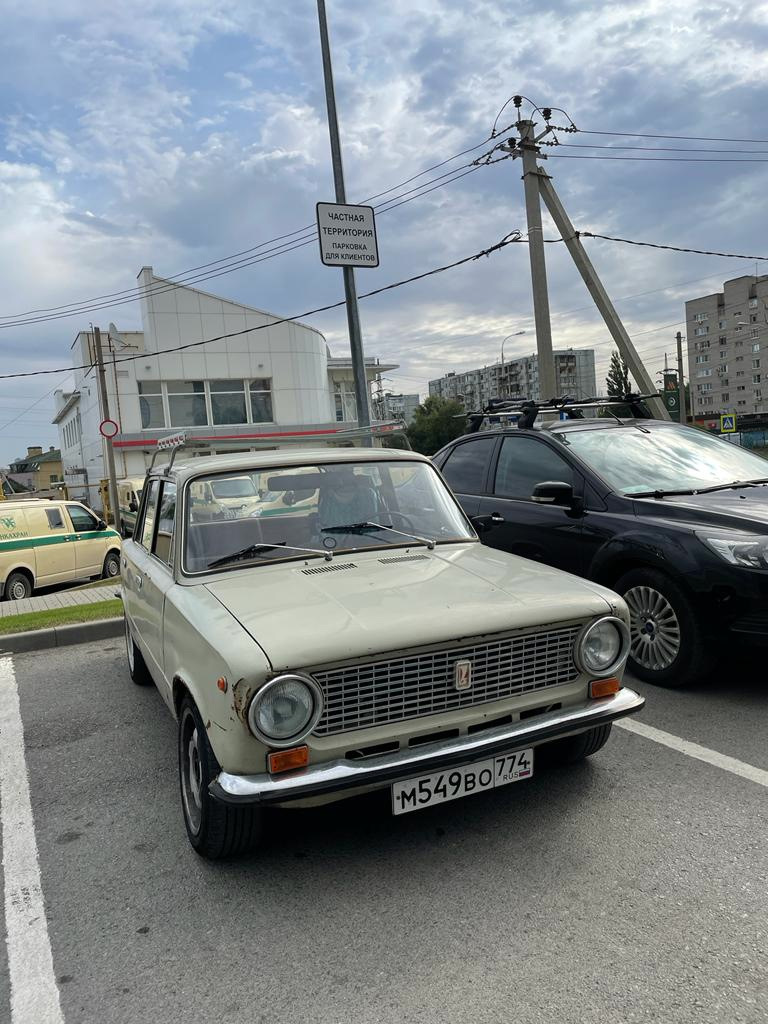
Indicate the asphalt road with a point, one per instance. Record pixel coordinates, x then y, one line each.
631 888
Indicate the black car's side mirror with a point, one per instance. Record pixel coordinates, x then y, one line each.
485 523
553 492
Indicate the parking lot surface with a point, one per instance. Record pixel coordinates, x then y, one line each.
633 887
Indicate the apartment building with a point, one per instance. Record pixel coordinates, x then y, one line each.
519 378
727 335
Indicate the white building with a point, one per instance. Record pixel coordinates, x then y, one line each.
519 378
267 382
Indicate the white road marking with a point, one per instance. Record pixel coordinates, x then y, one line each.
728 764
34 993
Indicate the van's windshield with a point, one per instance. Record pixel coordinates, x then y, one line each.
315 509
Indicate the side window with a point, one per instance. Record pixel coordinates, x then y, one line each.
147 527
466 465
525 462
82 520
55 518
163 546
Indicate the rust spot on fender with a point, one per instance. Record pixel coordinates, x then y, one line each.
242 691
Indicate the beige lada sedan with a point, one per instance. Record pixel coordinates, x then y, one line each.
369 642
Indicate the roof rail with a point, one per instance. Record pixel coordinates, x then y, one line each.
174 443
525 411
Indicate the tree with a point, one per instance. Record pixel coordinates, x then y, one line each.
617 382
436 422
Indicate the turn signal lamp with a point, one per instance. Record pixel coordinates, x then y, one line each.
604 687
287 760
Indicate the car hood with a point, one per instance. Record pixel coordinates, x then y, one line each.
391 600
743 509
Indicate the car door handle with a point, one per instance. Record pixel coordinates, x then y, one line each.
139 580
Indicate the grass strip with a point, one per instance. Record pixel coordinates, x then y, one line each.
60 616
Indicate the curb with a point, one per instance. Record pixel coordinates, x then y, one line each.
61 636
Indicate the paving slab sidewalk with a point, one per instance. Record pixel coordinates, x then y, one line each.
63 599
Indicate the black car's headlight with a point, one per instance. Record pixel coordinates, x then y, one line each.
285 710
602 647
749 550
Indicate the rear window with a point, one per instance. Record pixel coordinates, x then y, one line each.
55 518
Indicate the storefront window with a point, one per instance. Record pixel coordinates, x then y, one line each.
228 401
261 400
186 403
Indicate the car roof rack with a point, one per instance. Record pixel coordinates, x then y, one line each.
174 443
524 411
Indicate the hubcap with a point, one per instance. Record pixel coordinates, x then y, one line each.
18 591
191 771
113 567
654 628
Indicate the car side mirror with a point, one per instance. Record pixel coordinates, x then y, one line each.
132 506
553 492
101 525
485 523
289 498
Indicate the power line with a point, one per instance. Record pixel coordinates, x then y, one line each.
652 149
507 240
658 159
673 248
680 138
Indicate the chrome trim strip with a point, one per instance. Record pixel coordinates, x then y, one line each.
342 774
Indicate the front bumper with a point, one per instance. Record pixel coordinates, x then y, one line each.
339 775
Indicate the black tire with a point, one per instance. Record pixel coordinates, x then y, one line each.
216 830
668 646
137 667
576 748
111 568
18 586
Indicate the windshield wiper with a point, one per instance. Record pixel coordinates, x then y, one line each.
700 490
360 527
254 549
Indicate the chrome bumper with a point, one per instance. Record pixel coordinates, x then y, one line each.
335 776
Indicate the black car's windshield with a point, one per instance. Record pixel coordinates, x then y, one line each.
336 507
664 458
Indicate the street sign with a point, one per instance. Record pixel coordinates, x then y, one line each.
108 428
347 235
728 424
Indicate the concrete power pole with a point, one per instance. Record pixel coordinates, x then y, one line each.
350 291
680 379
104 403
546 360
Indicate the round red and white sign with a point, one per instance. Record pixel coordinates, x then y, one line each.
108 428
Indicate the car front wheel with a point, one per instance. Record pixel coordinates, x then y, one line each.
216 830
576 748
667 644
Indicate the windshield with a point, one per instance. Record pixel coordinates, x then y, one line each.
233 487
318 509
663 458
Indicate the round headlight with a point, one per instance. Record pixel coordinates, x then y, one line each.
285 710
602 647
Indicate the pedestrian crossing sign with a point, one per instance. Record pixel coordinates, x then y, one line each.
727 424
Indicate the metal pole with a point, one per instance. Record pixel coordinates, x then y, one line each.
546 359
680 380
350 292
599 294
104 403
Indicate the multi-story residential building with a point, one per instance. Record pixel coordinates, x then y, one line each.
397 407
519 378
37 471
265 383
727 334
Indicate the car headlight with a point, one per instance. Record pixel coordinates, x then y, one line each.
285 710
602 647
745 549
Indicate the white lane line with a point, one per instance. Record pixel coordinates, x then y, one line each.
728 764
34 993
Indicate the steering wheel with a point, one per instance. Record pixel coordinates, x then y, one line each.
397 521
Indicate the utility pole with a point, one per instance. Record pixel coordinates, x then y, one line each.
350 291
680 380
104 405
546 359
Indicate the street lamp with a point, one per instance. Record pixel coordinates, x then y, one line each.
516 334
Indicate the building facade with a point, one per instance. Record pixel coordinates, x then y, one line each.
266 383
397 407
727 335
37 472
519 378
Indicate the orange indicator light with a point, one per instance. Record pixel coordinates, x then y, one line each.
287 760
604 687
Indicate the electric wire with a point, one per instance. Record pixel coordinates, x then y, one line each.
679 138
658 159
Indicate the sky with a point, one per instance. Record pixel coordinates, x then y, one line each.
178 133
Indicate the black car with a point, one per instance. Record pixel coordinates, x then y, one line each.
672 517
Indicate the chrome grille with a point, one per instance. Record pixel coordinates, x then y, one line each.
361 696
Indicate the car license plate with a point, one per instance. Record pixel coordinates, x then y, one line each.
414 794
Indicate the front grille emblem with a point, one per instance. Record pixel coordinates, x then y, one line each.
462 675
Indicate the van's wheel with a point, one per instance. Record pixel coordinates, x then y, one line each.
576 748
18 586
136 664
111 566
667 643
216 830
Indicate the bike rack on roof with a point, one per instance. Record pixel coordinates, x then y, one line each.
525 411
